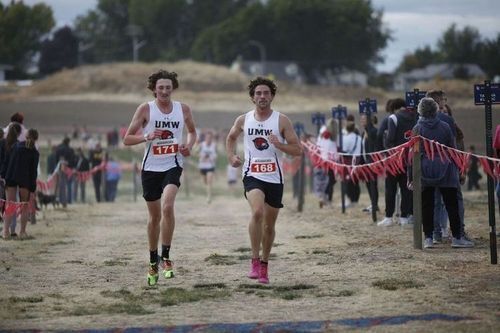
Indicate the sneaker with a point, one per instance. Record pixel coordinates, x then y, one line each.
428 243
263 278
437 239
404 221
167 269
385 222
367 209
254 268
153 274
461 242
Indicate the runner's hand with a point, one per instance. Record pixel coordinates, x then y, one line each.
235 161
184 150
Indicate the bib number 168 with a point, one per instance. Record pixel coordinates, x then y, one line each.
263 167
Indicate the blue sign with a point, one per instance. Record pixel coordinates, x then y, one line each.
412 100
479 94
318 119
299 128
339 112
368 106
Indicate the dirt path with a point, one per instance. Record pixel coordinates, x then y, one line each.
86 268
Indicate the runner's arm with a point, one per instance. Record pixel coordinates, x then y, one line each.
141 116
292 145
186 148
234 132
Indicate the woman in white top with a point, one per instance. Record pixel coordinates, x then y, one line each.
351 144
324 179
207 162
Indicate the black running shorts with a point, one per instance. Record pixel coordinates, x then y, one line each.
154 182
273 193
206 170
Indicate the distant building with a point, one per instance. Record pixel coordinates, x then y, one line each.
3 69
341 77
407 81
280 70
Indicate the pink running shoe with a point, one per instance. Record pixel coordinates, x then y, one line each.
263 273
254 268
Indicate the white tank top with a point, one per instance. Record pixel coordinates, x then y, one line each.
163 154
208 155
262 159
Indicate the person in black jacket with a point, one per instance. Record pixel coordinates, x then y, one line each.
399 125
21 175
6 146
66 155
82 167
369 145
96 156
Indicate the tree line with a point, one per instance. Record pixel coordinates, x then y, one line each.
316 34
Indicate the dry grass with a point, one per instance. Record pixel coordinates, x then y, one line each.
119 78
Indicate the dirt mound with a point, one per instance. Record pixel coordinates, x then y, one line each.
132 78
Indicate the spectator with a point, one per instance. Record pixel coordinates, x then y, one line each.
369 145
82 168
438 173
327 143
51 160
66 155
440 214
96 155
351 145
398 126
473 175
6 148
113 175
19 119
21 178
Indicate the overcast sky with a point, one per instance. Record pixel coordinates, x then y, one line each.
413 23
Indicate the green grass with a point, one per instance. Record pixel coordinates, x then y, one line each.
175 296
210 286
395 284
27 299
308 236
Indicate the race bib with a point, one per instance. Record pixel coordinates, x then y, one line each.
263 165
166 147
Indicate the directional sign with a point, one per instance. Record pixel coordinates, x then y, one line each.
299 128
368 106
412 100
339 112
318 118
479 94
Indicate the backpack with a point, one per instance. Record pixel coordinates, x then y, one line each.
394 119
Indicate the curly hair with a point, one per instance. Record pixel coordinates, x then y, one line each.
162 74
261 81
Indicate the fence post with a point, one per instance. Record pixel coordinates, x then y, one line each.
417 196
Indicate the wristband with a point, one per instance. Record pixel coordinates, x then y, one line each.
146 137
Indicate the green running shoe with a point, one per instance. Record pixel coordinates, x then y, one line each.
153 274
167 268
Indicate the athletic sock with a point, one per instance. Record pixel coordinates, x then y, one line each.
153 256
165 251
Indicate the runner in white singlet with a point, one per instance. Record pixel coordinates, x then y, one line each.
267 134
160 124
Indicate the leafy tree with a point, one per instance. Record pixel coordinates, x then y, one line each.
490 55
59 52
460 46
21 28
104 29
420 58
318 34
